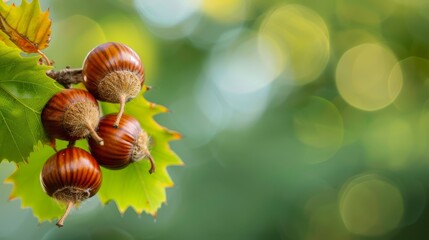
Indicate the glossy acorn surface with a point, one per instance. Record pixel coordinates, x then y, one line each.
71 176
105 59
122 145
70 115
113 72
69 170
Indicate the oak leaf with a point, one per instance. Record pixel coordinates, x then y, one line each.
25 27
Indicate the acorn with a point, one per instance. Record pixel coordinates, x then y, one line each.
71 176
113 73
70 115
125 144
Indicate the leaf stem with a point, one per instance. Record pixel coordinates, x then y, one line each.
67 76
45 58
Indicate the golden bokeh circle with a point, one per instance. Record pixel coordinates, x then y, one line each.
319 127
299 42
368 77
370 205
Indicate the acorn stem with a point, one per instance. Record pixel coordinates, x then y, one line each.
121 111
60 222
53 144
152 164
71 143
94 135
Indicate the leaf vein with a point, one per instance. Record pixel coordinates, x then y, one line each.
28 124
138 170
18 100
11 134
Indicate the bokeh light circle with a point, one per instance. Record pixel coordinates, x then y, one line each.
167 13
239 67
367 78
225 11
235 88
370 205
365 12
299 41
319 126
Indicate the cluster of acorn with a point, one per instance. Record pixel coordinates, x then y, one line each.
112 72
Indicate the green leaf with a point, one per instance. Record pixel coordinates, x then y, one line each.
24 90
26 26
133 186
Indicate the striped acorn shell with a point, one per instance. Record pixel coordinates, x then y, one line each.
107 58
55 109
71 171
119 143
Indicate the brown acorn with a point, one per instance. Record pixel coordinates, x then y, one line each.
122 145
113 73
71 176
70 115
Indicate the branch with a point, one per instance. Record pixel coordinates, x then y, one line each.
67 76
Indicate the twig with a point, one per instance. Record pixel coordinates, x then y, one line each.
67 76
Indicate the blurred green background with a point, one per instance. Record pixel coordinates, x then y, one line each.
301 119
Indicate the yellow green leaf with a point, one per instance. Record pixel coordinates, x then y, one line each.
5 38
26 26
